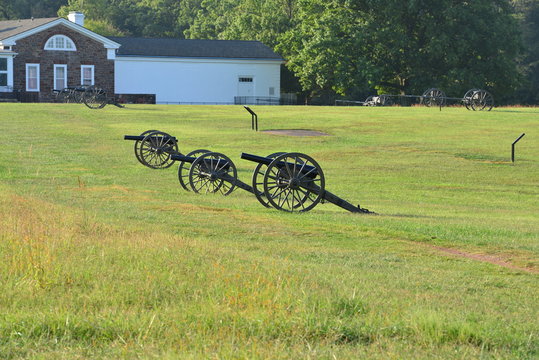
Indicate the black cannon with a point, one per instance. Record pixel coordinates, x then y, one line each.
153 148
210 172
295 182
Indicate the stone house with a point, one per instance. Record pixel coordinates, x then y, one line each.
38 56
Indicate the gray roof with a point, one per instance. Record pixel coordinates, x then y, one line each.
9 28
231 49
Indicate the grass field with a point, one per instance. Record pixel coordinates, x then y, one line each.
104 258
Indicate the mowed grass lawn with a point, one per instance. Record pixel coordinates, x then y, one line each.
104 258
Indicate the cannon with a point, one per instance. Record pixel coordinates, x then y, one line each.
295 182
433 97
210 173
478 100
153 148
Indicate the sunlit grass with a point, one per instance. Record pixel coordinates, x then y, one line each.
103 258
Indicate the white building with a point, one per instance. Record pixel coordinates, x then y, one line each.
197 71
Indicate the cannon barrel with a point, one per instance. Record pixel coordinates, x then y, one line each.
140 138
180 157
190 159
305 169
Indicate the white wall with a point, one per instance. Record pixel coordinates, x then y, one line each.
193 80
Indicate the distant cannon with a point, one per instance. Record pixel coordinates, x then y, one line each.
477 100
474 99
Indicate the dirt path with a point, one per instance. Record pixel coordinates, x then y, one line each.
481 257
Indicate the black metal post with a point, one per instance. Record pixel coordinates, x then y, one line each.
513 147
254 118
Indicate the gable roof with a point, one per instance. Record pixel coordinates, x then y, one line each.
13 30
188 48
9 28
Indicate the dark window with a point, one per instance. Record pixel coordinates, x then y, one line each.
3 72
246 79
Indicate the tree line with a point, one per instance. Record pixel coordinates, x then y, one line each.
345 48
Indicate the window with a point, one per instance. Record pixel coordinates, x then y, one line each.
87 75
60 77
245 79
3 71
32 77
60 42
271 91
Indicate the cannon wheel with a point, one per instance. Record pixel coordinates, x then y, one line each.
183 169
207 172
433 97
467 99
482 100
369 101
138 145
288 189
155 150
95 98
385 100
258 180
62 96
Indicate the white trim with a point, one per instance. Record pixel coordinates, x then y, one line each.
157 59
37 75
66 41
64 85
82 67
107 43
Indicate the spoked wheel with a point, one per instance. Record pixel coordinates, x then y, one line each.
467 99
294 182
156 148
433 97
385 100
183 169
95 98
138 144
258 180
62 96
213 173
482 100
369 101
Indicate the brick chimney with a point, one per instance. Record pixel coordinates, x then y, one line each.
76 17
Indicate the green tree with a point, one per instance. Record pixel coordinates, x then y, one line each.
527 11
263 20
147 18
404 47
25 9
